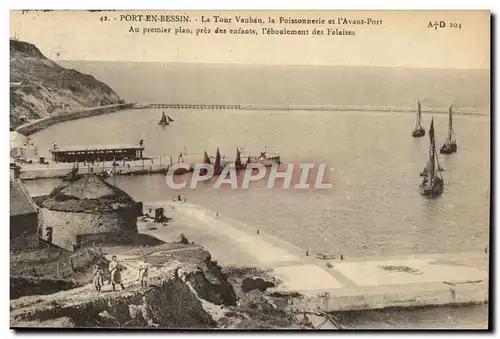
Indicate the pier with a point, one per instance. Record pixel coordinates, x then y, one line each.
192 106
320 108
97 153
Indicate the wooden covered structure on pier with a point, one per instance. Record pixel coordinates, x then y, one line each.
98 153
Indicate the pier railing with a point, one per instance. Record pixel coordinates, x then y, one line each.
192 106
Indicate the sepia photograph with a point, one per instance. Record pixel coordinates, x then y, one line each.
250 170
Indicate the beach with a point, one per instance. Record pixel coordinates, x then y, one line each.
428 279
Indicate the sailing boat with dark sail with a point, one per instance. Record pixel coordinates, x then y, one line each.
432 183
170 119
237 163
217 164
206 160
163 120
419 131
450 145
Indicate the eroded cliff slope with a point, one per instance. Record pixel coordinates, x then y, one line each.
39 87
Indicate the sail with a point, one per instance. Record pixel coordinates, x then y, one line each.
170 119
238 157
432 152
217 161
163 119
419 115
207 159
450 126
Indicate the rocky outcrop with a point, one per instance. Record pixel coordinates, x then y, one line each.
182 282
210 283
40 87
168 303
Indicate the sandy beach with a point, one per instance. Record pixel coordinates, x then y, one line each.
353 283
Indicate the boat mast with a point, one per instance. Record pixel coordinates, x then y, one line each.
419 114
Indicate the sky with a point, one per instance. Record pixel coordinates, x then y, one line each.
400 39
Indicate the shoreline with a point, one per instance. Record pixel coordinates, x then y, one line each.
40 124
332 285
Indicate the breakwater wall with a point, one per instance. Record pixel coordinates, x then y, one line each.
38 125
434 110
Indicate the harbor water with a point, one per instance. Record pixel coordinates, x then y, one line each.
374 207
373 163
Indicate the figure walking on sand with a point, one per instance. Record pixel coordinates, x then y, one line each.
114 270
98 280
143 273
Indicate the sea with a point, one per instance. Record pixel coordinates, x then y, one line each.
374 206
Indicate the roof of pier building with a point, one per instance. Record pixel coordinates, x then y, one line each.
89 193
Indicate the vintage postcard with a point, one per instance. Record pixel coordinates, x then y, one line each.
250 169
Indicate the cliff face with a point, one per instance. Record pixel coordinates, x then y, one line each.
40 87
181 282
186 289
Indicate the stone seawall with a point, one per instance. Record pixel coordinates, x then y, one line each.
38 125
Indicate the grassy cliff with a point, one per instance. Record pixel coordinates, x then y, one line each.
40 87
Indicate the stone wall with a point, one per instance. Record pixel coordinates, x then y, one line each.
66 226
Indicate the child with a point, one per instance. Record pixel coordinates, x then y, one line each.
98 280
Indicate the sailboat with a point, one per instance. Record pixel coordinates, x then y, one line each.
237 163
217 165
450 145
170 119
432 183
268 159
206 160
163 120
419 131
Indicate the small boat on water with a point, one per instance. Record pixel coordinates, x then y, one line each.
170 119
163 120
450 145
269 159
432 184
418 131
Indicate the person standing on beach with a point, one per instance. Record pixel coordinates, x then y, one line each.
98 280
114 270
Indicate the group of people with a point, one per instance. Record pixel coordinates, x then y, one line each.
115 275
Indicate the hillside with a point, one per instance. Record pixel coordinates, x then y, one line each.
40 87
